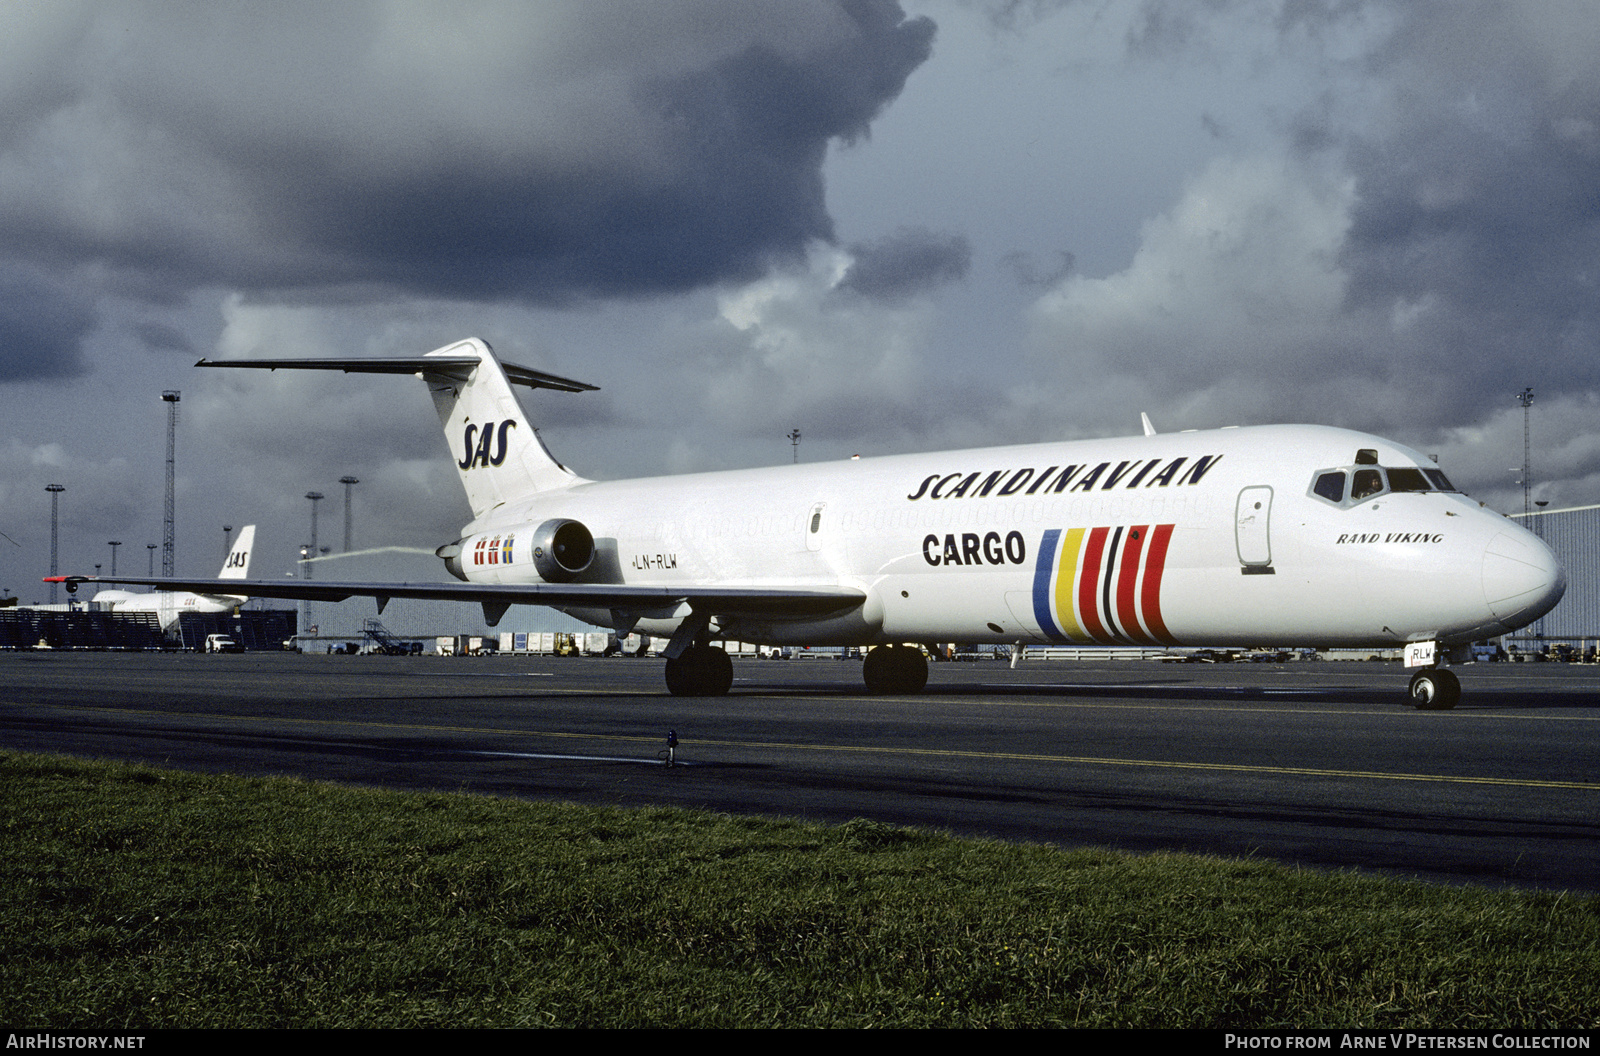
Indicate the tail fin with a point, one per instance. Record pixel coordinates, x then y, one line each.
237 564
499 454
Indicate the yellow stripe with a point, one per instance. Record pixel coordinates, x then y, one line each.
1066 583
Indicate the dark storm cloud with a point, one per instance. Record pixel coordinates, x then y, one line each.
541 153
1028 273
158 337
1479 205
913 260
41 326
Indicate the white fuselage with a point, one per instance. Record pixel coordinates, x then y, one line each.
1197 538
168 605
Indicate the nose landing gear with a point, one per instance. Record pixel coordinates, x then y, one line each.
1435 689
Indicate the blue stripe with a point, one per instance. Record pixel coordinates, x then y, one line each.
1041 585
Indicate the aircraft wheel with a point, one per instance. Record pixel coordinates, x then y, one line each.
699 671
895 669
875 670
912 667
1435 689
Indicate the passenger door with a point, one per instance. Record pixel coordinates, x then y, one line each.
1252 529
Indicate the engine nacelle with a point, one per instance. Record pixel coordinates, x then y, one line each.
562 550
450 554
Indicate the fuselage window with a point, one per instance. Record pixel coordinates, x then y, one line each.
1366 483
1330 486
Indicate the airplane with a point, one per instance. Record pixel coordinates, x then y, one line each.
1269 535
170 604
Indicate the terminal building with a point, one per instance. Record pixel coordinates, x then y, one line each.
1574 535
80 626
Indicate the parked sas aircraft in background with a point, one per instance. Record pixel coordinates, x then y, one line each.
170 604
1271 535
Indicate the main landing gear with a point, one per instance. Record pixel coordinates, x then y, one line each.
895 669
699 671
706 671
1435 689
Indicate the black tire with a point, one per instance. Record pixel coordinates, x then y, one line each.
894 669
1435 689
699 671
911 667
877 670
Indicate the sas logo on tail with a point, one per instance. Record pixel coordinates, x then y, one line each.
1102 585
481 448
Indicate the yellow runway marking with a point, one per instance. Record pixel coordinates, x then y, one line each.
937 753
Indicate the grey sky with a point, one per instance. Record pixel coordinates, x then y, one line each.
894 226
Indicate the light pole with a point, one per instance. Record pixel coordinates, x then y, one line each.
113 544
169 535
55 491
227 537
348 482
794 440
310 554
152 548
1525 397
315 497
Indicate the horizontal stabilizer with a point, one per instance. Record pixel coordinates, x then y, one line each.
458 368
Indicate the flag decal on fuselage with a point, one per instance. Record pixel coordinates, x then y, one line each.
1102 585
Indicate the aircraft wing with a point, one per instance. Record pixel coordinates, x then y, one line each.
779 602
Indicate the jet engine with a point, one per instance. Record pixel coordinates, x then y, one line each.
450 554
562 550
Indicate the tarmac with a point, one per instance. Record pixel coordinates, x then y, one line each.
1320 765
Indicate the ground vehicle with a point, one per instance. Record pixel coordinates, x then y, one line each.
222 643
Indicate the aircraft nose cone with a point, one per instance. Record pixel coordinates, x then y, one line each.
1521 578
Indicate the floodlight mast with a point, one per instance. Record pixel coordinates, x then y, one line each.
348 482
1525 397
55 491
168 532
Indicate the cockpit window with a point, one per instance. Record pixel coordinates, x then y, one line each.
1330 486
1405 478
1366 483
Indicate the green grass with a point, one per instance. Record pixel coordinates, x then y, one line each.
140 898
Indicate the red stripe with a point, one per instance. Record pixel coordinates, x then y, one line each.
1089 586
1150 598
1127 580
